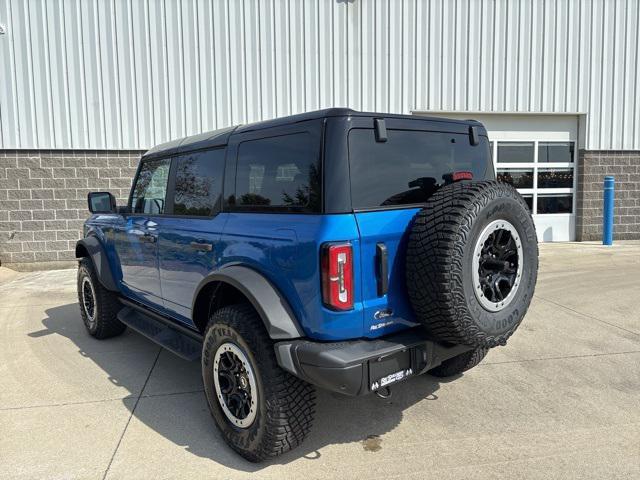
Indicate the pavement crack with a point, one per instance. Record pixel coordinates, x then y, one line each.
586 355
133 411
588 316
103 400
64 404
154 395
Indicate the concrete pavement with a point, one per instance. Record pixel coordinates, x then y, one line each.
561 400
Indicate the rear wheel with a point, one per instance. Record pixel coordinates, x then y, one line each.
99 307
261 410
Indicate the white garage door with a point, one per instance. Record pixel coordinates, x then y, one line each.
537 154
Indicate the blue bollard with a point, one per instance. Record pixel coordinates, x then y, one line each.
607 212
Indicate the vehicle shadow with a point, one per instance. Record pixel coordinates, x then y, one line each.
182 416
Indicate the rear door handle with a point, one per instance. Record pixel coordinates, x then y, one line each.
202 246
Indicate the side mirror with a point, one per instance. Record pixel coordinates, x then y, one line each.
101 202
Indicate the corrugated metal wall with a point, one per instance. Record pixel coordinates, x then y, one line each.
119 74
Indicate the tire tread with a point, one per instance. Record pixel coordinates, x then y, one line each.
107 303
290 402
434 261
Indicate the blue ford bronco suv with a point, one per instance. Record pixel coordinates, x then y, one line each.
333 249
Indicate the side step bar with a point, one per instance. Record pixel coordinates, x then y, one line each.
177 339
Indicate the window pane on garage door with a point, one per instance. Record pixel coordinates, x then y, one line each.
515 152
555 152
519 178
555 203
555 178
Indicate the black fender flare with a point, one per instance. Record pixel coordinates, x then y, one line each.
100 261
273 308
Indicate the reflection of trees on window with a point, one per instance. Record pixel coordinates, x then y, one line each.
305 195
151 187
254 199
278 171
198 183
517 178
557 178
191 189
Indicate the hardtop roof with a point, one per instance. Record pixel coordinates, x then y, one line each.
220 137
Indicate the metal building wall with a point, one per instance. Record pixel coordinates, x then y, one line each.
127 74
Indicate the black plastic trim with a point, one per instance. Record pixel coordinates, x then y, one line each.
380 129
382 265
112 202
270 304
344 367
96 252
193 334
474 137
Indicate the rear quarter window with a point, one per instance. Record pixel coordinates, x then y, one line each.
280 173
410 165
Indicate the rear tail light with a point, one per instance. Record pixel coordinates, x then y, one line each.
337 276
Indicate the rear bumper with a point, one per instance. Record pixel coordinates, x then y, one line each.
358 367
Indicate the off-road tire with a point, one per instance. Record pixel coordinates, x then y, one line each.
461 363
107 305
285 404
439 262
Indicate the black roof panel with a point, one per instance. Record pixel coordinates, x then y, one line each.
220 137
215 138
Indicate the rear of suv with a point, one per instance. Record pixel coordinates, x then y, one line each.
337 249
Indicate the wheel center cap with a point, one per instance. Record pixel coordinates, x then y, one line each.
243 382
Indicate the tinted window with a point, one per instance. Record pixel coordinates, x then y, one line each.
198 183
555 178
519 178
151 187
515 152
555 203
410 165
555 152
279 172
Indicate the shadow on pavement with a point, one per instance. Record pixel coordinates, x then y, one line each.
184 419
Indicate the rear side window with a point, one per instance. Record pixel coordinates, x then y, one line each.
198 186
279 173
410 165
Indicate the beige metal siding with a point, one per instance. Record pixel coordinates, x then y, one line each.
119 74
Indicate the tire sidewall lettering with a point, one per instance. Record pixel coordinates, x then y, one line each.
501 208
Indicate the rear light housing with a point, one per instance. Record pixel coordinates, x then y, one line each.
337 275
456 176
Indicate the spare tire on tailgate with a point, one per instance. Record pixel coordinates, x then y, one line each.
472 263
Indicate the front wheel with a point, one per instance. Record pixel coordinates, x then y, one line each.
261 410
98 306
